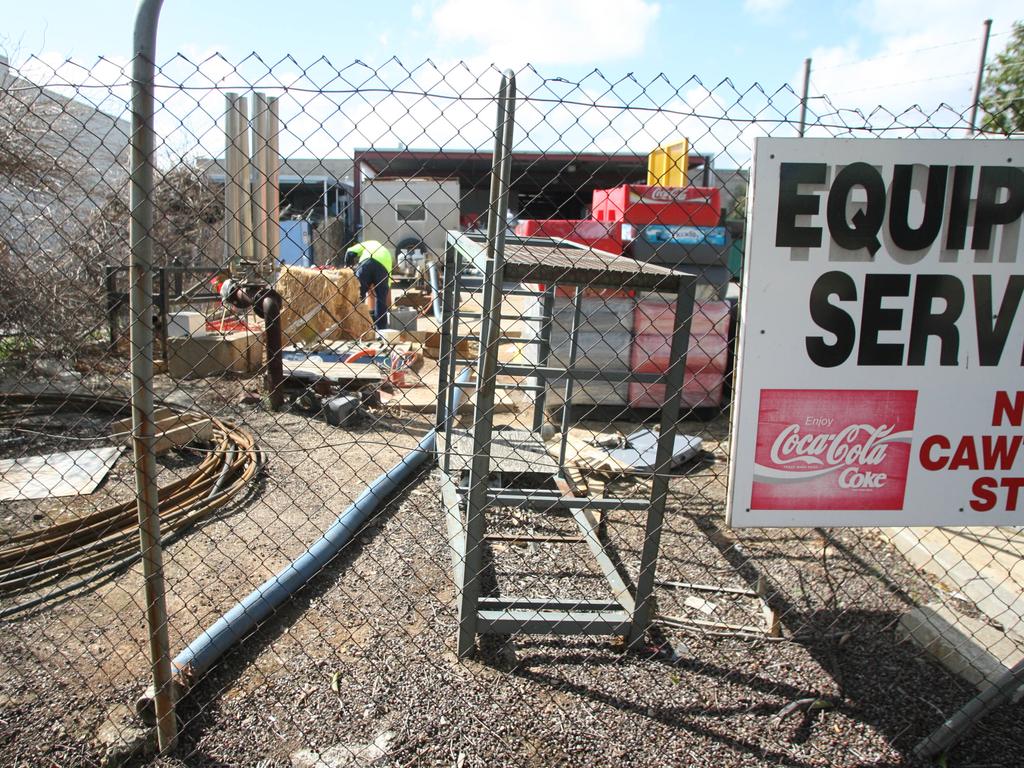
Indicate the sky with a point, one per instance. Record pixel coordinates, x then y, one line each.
865 53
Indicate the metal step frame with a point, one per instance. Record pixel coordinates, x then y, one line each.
467 496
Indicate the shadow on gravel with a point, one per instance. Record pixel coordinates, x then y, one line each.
693 719
886 684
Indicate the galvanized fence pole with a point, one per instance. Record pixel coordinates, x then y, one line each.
1002 690
141 206
805 94
979 81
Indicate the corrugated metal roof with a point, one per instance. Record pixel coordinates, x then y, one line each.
549 260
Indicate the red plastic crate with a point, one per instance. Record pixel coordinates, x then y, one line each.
700 390
649 354
642 204
229 325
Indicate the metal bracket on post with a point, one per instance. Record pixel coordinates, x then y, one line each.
487 366
141 207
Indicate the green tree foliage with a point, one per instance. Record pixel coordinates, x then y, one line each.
1002 98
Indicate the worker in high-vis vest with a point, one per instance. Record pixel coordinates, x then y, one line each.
372 264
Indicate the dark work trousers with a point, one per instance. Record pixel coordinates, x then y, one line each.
371 272
380 309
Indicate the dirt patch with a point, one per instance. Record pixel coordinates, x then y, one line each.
368 648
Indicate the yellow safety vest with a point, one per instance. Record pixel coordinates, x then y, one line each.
371 249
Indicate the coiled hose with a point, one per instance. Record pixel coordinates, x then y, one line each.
108 538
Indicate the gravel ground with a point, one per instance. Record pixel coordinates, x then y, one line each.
360 668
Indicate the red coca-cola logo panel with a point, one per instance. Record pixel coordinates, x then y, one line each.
833 448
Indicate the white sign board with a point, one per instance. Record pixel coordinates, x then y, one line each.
882 335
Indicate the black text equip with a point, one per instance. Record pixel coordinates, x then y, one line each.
949 207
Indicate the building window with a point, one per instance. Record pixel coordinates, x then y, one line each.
410 212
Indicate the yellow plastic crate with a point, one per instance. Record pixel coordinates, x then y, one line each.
668 164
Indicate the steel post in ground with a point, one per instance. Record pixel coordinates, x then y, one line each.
644 611
141 206
446 284
574 335
487 365
451 412
270 304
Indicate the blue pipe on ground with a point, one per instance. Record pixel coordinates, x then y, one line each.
205 650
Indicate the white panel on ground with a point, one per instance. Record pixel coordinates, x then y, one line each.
56 474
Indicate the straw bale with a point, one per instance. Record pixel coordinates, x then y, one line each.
321 305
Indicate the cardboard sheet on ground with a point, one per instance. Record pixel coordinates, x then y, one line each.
641 450
74 473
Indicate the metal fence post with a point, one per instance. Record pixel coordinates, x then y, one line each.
676 374
981 77
804 96
142 307
959 723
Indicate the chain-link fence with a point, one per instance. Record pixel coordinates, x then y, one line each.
440 424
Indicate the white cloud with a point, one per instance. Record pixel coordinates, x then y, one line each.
512 32
916 53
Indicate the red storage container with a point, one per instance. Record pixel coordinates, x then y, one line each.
658 316
588 232
642 204
702 388
706 357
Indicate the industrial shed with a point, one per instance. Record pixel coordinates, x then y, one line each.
549 185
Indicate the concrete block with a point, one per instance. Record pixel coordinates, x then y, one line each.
186 324
969 648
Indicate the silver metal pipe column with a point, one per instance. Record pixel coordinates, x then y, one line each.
244 179
232 191
805 96
956 727
273 201
141 303
261 184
